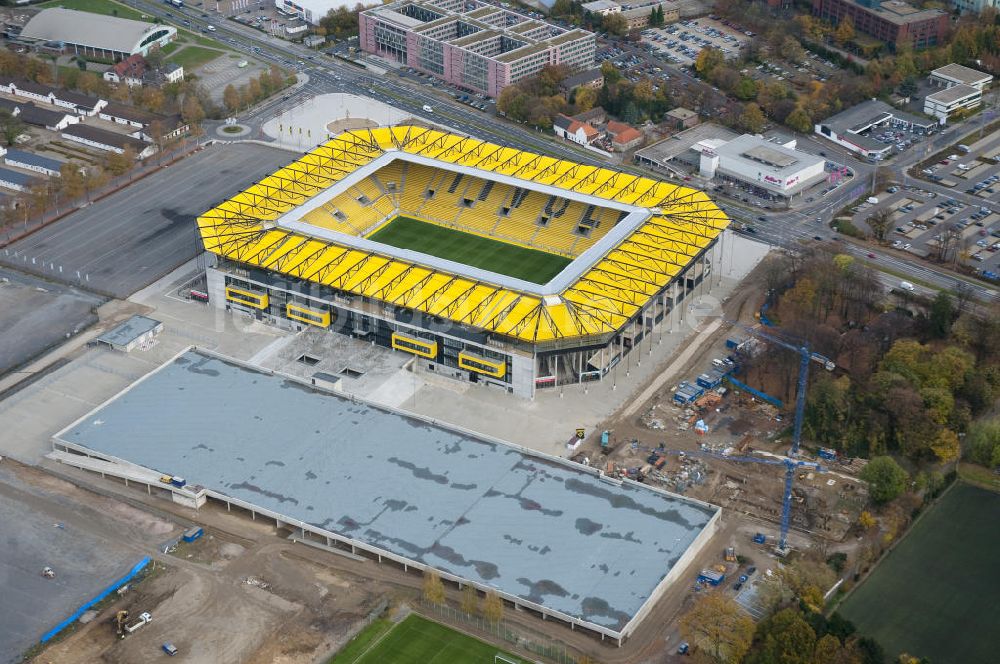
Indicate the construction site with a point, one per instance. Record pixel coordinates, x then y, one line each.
227 465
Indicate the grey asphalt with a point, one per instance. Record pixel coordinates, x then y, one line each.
130 239
38 533
37 314
549 532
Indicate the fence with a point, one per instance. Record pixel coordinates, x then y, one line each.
552 650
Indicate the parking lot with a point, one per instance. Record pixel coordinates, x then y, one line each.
126 241
936 227
681 42
39 314
43 530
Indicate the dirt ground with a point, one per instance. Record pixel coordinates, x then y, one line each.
294 604
825 504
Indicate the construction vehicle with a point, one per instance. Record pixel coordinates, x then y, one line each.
730 554
123 627
760 538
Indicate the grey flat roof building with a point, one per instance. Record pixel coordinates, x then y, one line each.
96 32
544 532
128 333
20 157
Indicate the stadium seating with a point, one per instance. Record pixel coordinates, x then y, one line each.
515 214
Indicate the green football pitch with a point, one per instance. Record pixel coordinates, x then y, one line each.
532 265
935 594
417 640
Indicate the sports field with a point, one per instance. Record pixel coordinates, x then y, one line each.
935 596
416 640
532 265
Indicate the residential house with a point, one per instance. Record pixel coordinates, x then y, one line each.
681 118
623 136
78 102
574 130
30 161
129 71
108 141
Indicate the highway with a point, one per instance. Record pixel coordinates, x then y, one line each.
786 229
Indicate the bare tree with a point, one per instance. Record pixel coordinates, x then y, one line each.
879 222
433 588
492 607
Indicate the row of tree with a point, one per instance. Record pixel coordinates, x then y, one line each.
255 90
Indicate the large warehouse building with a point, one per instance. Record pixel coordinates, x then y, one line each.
551 536
486 263
96 35
472 44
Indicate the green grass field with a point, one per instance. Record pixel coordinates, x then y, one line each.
416 640
190 57
935 595
532 265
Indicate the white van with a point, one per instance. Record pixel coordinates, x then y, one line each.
907 286
428 109
210 28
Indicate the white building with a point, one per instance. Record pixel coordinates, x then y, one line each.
97 35
771 167
954 74
943 103
574 130
602 7
310 11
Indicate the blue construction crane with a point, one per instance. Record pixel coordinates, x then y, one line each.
790 466
800 390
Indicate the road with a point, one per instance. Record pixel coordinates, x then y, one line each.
784 229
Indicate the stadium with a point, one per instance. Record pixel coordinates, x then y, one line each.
487 263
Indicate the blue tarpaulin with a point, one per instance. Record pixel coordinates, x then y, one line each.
757 393
107 591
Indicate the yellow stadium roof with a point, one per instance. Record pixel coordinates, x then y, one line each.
607 295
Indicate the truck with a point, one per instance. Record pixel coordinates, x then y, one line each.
123 627
175 3
827 453
605 439
144 619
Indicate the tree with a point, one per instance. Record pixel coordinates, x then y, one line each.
470 600
708 59
615 24
941 315
492 607
341 22
844 32
799 120
886 480
231 98
983 443
718 628
11 126
880 222
866 520
752 120
191 110
946 447
586 99
433 587
81 63
71 180
784 637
